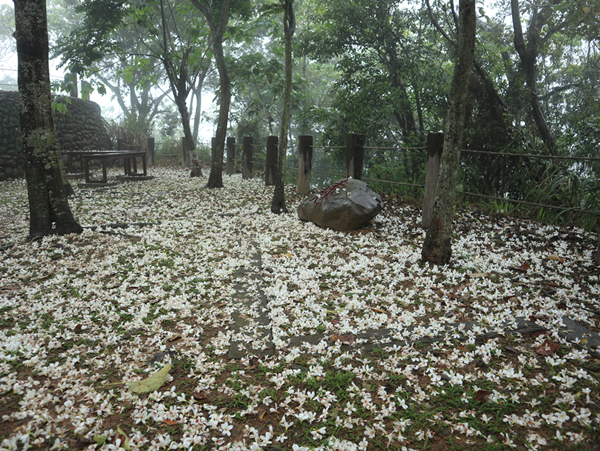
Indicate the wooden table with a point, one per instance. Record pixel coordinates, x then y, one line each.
129 162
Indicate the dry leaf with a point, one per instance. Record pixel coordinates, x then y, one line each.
478 275
462 348
10 288
482 395
547 348
511 349
378 310
556 258
152 383
77 328
523 268
344 339
172 339
200 397
170 422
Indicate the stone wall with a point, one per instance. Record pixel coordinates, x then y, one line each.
80 128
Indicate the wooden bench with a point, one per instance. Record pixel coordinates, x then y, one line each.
129 162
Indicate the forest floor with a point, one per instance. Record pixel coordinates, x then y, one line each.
355 343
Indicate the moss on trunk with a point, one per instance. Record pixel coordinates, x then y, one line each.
48 204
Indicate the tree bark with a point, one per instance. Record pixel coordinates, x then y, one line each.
437 247
278 203
49 211
528 54
215 179
178 81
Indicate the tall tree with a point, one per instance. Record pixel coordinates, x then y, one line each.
166 31
217 16
49 211
437 247
289 26
528 53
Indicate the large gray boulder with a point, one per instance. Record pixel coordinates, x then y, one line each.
347 204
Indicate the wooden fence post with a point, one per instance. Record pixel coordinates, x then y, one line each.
271 160
435 145
120 144
151 160
354 155
247 157
186 155
230 155
305 150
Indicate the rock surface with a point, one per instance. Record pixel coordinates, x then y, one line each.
347 204
80 128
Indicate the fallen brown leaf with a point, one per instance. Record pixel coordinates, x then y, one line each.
482 395
523 268
344 339
511 349
170 422
547 348
200 396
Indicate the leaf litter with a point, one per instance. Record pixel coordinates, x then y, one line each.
72 333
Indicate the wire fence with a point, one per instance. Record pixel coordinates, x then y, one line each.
394 179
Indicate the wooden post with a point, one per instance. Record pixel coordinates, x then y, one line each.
151 151
230 155
271 160
305 149
435 145
354 155
597 256
247 157
186 155
120 144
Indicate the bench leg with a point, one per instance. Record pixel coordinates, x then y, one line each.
86 169
104 174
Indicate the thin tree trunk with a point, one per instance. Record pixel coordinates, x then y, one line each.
437 247
528 54
196 170
278 203
178 83
49 211
215 179
197 113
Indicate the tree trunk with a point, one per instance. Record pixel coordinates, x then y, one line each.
196 170
278 203
197 113
528 54
178 81
49 211
215 179
437 247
